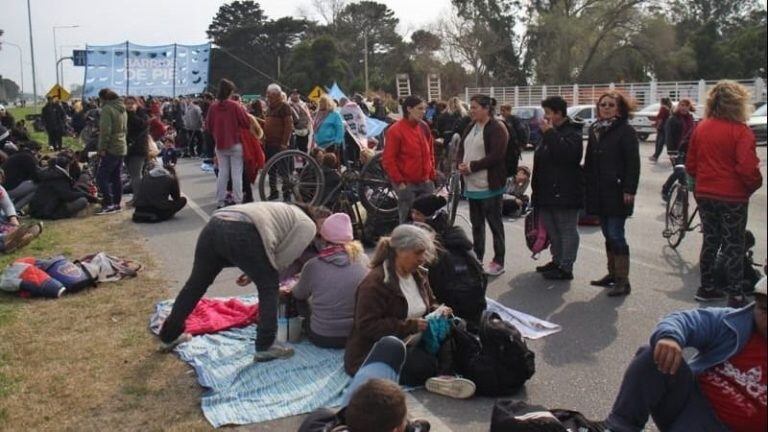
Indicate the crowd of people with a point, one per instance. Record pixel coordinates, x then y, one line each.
426 271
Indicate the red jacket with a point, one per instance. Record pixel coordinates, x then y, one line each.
722 157
224 121
408 153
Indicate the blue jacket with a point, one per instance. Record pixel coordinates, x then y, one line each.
330 131
716 333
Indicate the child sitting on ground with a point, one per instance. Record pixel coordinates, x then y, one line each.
515 201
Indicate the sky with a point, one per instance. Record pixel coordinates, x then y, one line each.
145 22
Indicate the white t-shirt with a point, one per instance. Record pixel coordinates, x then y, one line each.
416 306
474 149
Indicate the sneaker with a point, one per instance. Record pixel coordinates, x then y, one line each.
276 351
494 269
451 386
418 425
546 267
166 347
105 210
22 236
558 274
737 301
709 294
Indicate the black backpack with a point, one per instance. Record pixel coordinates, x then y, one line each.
466 292
498 361
518 139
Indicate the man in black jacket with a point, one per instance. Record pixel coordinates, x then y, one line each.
56 196
557 186
21 175
55 120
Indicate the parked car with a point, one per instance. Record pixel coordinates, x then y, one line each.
644 120
585 113
758 124
532 115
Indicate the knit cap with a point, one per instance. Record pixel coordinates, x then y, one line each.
429 204
337 228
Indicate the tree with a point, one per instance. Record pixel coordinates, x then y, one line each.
316 63
9 90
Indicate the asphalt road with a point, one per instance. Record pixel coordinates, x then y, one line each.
579 368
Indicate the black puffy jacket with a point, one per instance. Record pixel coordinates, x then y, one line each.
611 169
137 134
557 178
54 191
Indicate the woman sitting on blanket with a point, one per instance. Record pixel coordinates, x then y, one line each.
260 238
393 300
326 289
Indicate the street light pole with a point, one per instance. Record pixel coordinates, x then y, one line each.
61 64
32 54
21 64
365 48
55 47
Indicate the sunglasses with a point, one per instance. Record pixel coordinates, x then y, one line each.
607 105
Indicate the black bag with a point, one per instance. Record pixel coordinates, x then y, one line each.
518 139
505 362
465 293
750 275
379 224
517 416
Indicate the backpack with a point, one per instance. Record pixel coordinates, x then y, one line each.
535 234
466 293
518 139
518 416
70 274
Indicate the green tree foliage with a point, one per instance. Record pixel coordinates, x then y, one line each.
317 62
9 90
251 45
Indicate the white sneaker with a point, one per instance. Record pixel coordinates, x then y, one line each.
494 269
451 386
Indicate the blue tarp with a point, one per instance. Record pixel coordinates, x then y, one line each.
374 127
166 70
335 92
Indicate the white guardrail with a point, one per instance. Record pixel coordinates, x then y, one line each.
643 93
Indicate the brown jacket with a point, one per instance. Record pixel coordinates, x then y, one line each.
495 137
278 126
381 310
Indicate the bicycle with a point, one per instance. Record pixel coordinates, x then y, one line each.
677 222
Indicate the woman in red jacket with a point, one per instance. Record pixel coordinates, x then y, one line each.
723 161
408 157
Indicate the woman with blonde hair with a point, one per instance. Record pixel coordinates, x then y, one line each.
329 281
327 124
722 159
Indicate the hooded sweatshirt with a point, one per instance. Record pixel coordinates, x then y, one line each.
332 283
224 121
113 125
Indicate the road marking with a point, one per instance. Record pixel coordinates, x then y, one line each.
196 208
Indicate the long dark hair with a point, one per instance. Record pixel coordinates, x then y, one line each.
226 87
410 102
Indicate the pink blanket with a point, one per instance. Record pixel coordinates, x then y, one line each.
211 316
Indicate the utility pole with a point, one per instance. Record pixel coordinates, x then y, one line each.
21 64
32 53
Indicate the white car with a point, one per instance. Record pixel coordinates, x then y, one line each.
758 124
585 113
643 120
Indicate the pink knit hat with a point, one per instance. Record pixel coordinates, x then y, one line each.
337 228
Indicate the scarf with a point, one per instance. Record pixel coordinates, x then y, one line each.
331 250
600 127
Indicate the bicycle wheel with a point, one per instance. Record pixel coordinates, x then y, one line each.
454 190
294 173
676 220
375 189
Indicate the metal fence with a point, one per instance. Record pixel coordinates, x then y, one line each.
643 93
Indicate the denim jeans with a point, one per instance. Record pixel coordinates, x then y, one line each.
108 179
384 361
674 401
613 231
135 165
230 167
562 228
22 194
480 211
226 243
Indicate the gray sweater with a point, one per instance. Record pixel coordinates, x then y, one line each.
332 283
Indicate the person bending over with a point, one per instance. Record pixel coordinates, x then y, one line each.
259 238
155 189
